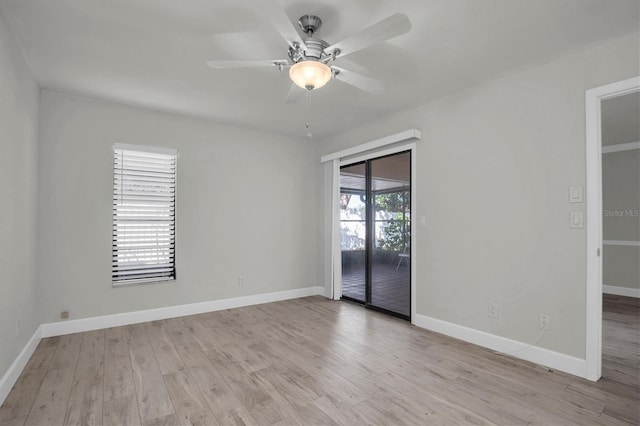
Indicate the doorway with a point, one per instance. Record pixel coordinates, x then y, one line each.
620 117
375 233
594 223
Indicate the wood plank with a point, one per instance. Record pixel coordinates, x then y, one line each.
118 376
67 352
310 414
243 385
300 387
267 411
253 396
121 411
169 420
621 406
180 330
237 417
189 403
16 408
406 391
153 397
85 402
339 411
244 356
166 354
289 421
215 390
203 335
620 384
49 407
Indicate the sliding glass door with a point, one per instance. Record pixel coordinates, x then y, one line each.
375 227
390 258
353 231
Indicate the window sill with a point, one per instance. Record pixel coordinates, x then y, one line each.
130 283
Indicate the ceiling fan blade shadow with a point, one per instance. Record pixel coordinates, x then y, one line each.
294 95
276 15
366 84
386 29
246 64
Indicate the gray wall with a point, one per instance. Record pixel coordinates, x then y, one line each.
18 202
621 192
245 207
493 171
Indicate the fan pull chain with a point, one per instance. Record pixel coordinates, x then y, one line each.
307 125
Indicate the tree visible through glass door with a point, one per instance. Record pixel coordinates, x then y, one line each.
390 246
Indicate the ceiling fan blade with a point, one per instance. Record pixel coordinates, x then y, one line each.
247 64
386 29
273 12
358 80
295 94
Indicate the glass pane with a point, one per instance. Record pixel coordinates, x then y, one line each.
353 230
390 261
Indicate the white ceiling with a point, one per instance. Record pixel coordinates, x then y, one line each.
152 53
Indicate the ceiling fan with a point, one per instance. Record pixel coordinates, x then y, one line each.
311 62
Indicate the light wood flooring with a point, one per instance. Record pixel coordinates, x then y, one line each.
621 339
305 361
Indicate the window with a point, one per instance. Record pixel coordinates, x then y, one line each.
144 205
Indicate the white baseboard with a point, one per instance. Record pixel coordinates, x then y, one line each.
95 323
11 375
535 354
621 291
126 318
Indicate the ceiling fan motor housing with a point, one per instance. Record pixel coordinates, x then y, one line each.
314 51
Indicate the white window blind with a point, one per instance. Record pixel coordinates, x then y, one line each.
144 206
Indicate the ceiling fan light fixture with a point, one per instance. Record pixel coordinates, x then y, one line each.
309 74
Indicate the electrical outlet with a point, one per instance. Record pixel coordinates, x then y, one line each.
493 310
241 281
544 321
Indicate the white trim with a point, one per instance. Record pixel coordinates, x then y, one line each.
593 225
126 318
620 147
336 253
378 143
621 243
376 154
621 291
145 148
414 229
535 354
593 99
11 375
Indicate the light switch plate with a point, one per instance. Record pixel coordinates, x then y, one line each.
575 194
576 220
422 221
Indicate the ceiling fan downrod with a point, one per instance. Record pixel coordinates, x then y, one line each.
309 24
313 49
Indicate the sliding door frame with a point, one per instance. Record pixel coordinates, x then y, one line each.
336 259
